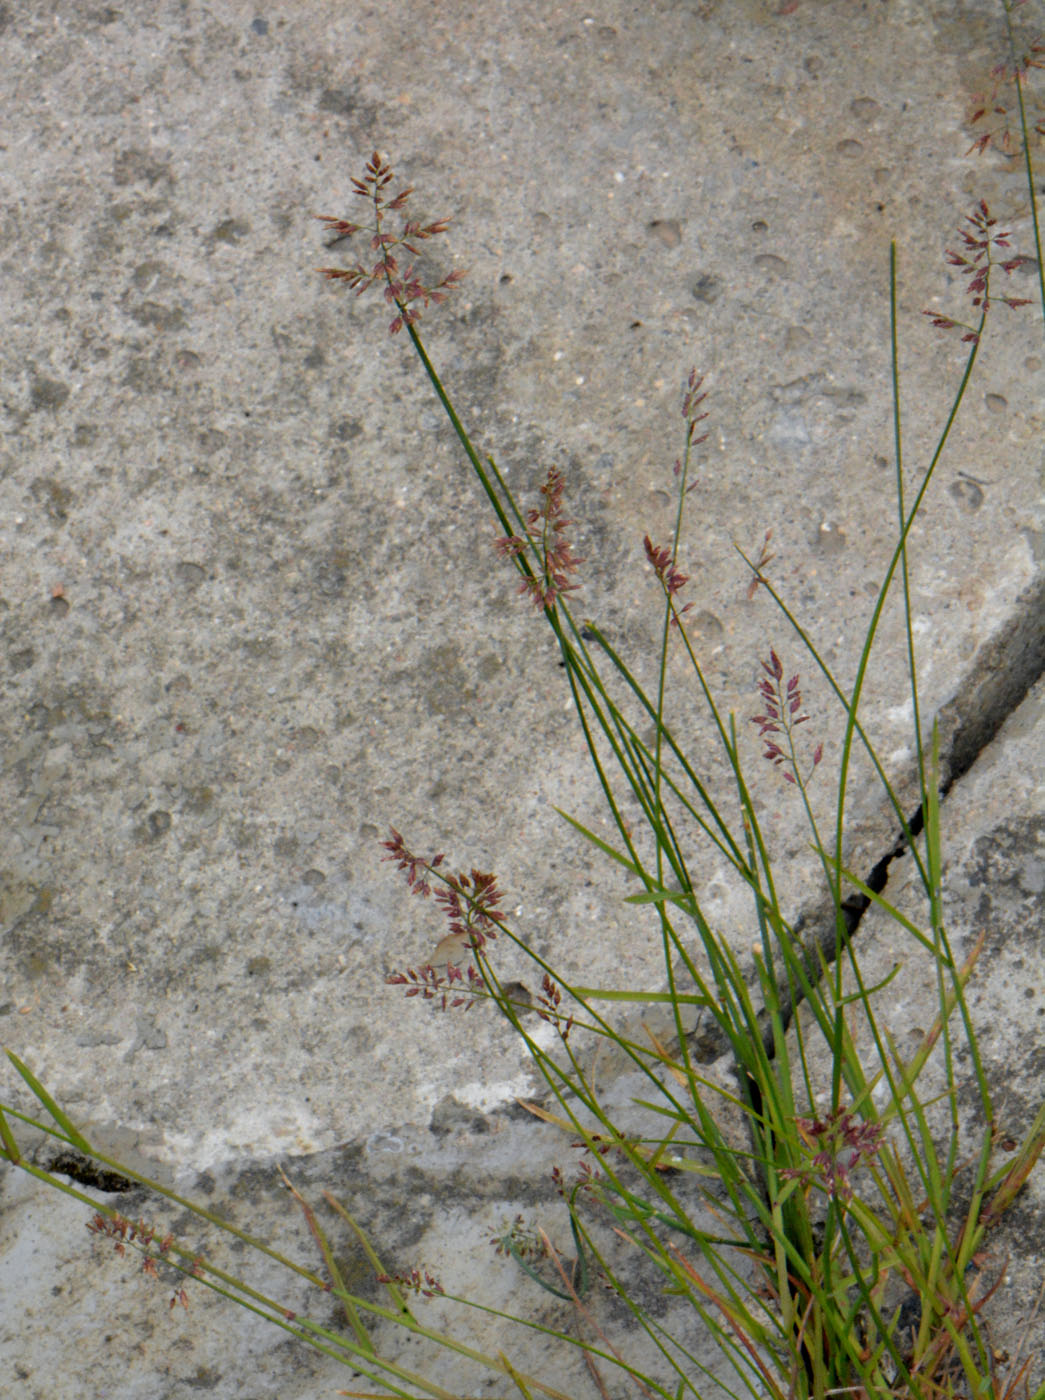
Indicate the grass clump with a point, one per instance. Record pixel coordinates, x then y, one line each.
859 1193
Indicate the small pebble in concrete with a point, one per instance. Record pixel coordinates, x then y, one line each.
830 538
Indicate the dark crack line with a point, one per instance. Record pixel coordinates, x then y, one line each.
1002 674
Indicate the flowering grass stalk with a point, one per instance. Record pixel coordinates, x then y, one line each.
166 1260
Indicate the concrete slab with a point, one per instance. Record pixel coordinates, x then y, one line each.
250 618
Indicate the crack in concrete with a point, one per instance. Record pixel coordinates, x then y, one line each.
1003 672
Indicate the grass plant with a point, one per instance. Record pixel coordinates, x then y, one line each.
823 1217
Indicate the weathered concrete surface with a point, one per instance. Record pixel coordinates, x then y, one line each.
250 617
